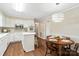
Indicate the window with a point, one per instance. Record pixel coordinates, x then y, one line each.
58 17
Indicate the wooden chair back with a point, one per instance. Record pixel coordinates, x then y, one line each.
76 47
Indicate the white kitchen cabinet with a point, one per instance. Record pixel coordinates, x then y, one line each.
16 36
2 20
27 39
7 37
3 45
28 42
10 22
11 37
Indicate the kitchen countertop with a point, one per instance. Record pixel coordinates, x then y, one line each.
3 34
28 33
24 33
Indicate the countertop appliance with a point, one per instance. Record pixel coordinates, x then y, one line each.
20 26
4 30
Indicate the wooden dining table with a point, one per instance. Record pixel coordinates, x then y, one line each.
61 42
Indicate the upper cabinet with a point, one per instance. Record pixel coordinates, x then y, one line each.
2 20
11 22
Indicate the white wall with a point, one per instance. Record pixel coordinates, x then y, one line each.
69 26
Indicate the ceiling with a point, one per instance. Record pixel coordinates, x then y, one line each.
35 10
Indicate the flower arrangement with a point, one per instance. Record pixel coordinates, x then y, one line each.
58 38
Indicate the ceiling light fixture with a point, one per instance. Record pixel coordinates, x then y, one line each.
18 6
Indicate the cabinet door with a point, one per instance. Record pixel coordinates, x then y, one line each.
28 40
18 36
7 37
0 20
11 37
3 21
3 46
1 50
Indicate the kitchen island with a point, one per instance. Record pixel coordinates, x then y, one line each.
28 41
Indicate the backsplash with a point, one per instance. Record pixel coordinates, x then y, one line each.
13 29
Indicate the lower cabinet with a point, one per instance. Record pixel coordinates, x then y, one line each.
17 36
3 45
13 37
27 39
28 43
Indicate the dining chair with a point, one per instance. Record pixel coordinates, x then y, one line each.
49 37
66 46
50 48
74 51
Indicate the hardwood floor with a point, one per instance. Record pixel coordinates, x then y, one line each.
16 49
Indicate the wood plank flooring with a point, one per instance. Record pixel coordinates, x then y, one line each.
16 49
